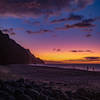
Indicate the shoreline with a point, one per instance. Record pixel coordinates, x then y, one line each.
61 78
70 66
50 73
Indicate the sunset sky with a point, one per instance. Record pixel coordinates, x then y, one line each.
57 31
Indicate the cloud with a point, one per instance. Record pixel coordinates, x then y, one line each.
88 20
87 30
84 60
88 35
59 20
86 23
77 25
75 17
9 31
80 25
92 58
72 17
57 50
32 8
38 32
13 33
81 51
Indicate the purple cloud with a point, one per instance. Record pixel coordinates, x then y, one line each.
9 31
81 51
75 17
92 58
85 59
72 17
80 25
37 7
38 32
87 30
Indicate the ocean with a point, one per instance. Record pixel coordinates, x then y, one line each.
89 67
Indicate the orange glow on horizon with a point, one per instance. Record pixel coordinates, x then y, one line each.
67 57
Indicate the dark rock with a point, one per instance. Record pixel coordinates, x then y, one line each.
13 53
97 96
42 97
19 95
5 96
32 93
83 94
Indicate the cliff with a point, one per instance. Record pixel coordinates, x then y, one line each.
12 53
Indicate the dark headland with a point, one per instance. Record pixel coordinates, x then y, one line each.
12 53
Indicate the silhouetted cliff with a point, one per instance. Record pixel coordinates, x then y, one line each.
13 53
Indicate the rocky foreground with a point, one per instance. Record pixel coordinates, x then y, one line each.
29 90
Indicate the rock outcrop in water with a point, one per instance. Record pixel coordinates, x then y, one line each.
13 53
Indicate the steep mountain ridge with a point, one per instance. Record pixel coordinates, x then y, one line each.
12 53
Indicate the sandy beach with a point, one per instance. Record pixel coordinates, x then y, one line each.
50 74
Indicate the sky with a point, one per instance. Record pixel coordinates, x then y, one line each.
57 31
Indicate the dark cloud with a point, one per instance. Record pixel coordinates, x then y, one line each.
75 17
80 51
9 31
37 7
77 25
85 24
59 20
12 33
72 17
38 32
84 60
92 58
80 25
89 20
88 30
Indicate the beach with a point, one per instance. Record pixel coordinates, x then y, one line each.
28 82
51 74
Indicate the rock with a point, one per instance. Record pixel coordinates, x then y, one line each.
84 94
10 91
12 53
32 93
19 95
42 97
97 96
5 96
